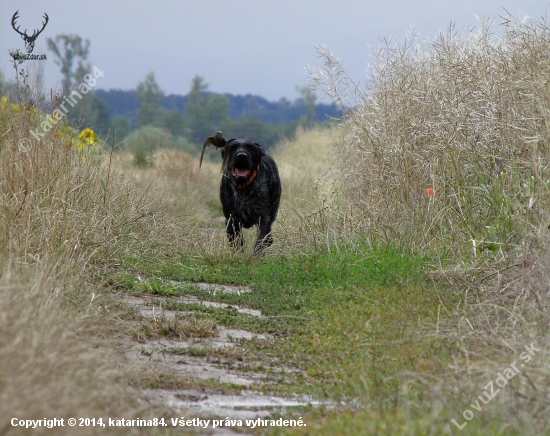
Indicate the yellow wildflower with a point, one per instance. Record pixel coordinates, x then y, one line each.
87 137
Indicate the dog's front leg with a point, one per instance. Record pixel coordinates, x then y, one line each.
265 238
234 233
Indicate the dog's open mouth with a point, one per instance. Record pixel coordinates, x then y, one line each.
241 172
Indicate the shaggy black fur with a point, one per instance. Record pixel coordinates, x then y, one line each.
250 192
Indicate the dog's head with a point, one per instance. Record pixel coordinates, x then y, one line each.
242 159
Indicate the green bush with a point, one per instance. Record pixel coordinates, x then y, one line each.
145 141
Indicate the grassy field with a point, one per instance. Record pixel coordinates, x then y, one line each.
407 288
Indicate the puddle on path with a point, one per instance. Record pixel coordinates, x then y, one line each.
216 288
242 405
148 308
173 356
162 357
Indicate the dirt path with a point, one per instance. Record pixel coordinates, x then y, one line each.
215 359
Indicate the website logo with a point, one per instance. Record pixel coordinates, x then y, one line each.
29 39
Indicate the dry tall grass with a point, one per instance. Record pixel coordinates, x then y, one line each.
187 192
51 366
313 215
447 150
63 211
57 197
464 116
189 195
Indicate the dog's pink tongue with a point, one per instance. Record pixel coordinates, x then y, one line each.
242 173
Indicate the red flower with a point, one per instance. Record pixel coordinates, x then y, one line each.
430 191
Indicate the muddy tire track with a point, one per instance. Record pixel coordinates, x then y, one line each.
213 357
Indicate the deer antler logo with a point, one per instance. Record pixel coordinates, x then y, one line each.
29 40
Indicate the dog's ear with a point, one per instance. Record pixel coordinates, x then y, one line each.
231 140
262 151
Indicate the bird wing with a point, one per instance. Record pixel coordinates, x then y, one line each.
209 141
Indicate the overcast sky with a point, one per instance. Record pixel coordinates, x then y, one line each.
238 46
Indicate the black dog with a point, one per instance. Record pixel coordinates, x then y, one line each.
250 191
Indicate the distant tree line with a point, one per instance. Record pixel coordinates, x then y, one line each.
145 118
200 113
284 111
